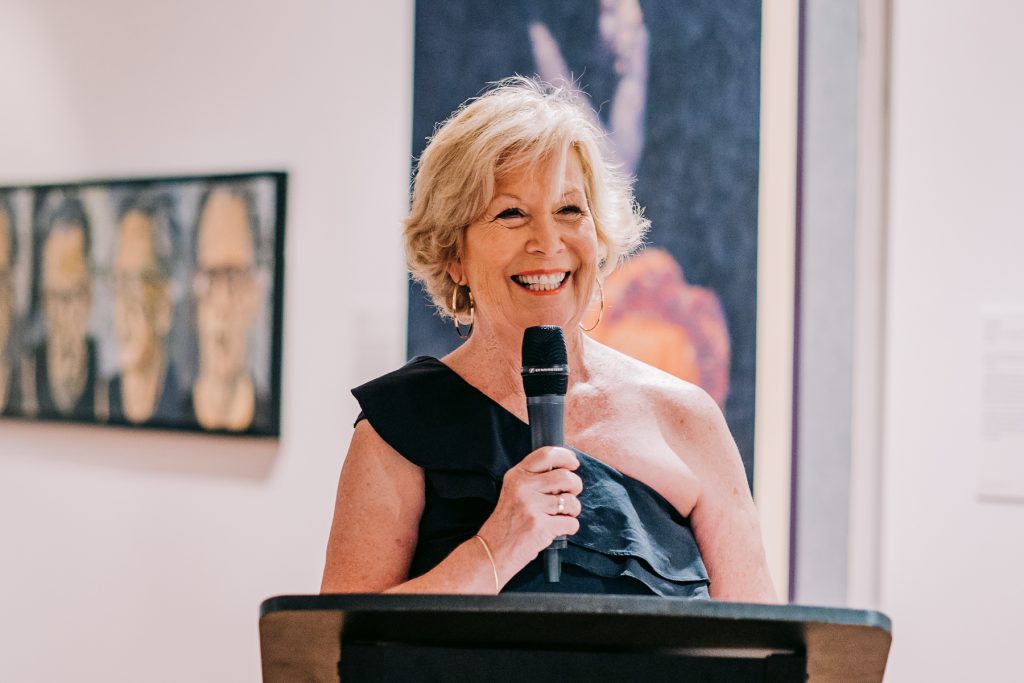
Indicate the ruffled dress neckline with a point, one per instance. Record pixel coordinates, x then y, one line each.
631 539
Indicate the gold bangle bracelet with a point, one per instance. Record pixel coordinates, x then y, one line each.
494 567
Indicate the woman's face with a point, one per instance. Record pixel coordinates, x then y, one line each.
531 259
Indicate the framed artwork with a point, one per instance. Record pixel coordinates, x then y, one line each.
676 86
152 302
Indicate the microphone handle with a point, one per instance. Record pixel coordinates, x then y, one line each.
547 428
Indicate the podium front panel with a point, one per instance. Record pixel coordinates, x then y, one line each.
305 637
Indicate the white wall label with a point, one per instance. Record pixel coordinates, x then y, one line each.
1001 442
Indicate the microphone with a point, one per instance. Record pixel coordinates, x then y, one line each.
545 380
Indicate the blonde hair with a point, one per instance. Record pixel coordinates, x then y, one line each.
519 123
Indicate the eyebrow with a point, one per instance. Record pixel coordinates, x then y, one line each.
508 195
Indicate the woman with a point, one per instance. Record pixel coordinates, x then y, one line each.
517 217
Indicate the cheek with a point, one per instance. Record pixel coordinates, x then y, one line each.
120 318
586 287
586 276
205 317
588 248
485 260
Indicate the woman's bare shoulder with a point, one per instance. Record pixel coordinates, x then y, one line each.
665 392
689 418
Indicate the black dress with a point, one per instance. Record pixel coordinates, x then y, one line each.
631 540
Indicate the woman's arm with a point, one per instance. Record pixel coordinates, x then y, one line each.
376 519
380 502
724 519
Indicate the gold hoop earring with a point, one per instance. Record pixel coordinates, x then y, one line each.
600 311
455 312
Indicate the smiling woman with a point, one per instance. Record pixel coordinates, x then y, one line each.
496 147
517 216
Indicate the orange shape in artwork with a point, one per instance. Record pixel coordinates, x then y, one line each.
654 315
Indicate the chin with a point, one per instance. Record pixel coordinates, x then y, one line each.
555 320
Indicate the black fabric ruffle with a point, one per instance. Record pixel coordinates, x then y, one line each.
628 529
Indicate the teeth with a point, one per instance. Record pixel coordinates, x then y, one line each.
541 283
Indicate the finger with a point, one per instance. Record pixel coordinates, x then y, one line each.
559 501
573 506
558 481
548 458
564 525
564 504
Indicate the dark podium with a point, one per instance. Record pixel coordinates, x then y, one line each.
531 637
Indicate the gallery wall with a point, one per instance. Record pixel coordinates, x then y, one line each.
951 560
144 556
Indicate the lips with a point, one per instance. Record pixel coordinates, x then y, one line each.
542 281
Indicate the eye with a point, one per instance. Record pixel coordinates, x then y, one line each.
570 212
512 217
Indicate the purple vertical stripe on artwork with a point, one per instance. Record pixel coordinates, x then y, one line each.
798 268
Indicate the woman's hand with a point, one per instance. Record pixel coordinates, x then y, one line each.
538 502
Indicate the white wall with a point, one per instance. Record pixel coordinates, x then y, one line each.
129 556
951 575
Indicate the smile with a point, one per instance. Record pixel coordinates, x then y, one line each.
542 282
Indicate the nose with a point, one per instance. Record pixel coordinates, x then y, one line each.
545 236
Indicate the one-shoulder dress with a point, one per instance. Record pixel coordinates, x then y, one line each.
631 539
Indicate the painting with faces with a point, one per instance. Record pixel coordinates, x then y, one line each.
149 303
676 86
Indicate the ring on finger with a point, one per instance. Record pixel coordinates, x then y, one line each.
561 505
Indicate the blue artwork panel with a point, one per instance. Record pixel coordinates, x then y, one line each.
676 84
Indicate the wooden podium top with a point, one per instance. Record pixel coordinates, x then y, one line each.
301 635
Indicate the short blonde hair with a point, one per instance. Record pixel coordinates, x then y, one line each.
517 124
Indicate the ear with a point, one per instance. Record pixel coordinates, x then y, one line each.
455 271
602 254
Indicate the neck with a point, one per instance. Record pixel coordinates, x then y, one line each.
492 358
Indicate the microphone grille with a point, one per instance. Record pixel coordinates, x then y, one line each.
545 361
